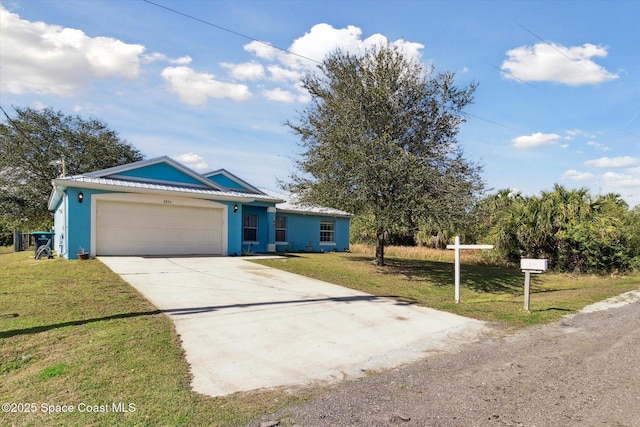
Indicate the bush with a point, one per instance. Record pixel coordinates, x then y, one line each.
575 231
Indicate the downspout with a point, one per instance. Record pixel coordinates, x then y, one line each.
65 213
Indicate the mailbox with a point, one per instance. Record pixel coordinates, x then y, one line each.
533 264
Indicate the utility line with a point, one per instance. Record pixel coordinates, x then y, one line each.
492 122
219 27
549 44
517 78
230 31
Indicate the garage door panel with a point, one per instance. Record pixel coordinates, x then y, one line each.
127 228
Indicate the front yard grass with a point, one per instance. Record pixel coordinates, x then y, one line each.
494 294
73 332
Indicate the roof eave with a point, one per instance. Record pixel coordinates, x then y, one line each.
149 162
124 189
307 212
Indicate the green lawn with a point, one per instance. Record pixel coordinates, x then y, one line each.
73 333
488 293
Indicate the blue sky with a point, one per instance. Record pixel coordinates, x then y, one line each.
558 98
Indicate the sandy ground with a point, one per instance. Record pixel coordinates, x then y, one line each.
581 371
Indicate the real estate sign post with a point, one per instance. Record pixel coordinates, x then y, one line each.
456 247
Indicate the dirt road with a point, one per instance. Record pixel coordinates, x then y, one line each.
581 371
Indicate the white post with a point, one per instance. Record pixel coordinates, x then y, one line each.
529 266
527 288
457 268
456 247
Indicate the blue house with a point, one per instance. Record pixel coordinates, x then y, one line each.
161 207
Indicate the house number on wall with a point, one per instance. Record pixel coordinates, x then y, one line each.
166 202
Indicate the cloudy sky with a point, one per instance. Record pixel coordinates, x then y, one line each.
211 83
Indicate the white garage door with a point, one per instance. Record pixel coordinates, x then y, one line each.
125 228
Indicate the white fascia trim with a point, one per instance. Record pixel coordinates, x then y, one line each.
57 193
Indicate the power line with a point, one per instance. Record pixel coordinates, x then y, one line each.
517 78
219 27
492 122
544 41
551 45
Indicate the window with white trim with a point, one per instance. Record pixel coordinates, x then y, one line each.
327 231
250 228
281 229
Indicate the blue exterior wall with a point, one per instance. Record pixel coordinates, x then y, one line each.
304 230
78 224
234 224
161 171
79 221
227 182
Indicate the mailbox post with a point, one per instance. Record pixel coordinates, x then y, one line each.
528 266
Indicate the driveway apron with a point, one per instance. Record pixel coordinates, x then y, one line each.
245 326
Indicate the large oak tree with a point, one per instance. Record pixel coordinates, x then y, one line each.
32 145
379 139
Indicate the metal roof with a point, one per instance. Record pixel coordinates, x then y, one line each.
124 185
290 205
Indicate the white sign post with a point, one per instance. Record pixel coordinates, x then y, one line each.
528 266
456 247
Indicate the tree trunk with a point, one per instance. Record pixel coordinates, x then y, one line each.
379 259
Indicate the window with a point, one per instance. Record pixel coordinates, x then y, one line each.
281 229
327 231
250 229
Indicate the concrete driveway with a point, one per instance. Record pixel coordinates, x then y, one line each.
245 326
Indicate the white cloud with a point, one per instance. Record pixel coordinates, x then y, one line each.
86 108
556 63
183 60
574 175
262 50
598 146
612 162
621 180
304 54
634 171
322 39
196 88
245 71
156 56
572 133
193 161
278 94
280 74
42 58
537 139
